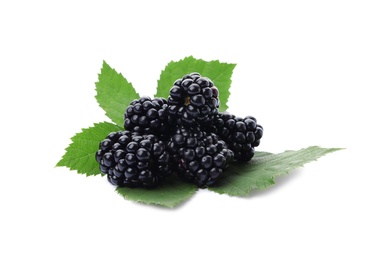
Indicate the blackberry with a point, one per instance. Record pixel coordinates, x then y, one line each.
193 100
240 134
133 160
198 157
148 116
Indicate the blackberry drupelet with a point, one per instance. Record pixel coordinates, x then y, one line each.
148 116
133 160
240 134
198 157
193 100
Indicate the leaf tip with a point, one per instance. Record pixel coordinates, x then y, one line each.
58 164
104 63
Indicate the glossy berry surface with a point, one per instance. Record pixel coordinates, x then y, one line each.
133 160
193 100
198 157
148 116
240 134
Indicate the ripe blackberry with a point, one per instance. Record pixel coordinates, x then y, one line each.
133 160
148 116
198 157
193 99
240 134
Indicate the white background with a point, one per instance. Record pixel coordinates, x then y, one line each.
311 72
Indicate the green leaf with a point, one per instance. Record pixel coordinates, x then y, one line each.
259 173
114 93
169 194
219 72
80 154
239 180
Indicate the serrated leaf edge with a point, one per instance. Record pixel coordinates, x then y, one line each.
60 163
204 64
104 63
246 192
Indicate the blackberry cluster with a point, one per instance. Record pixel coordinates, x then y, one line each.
193 100
198 157
133 160
148 116
241 134
184 134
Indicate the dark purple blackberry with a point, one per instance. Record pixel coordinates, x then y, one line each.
198 157
133 160
193 100
148 116
240 134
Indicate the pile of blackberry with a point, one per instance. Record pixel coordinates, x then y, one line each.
184 133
